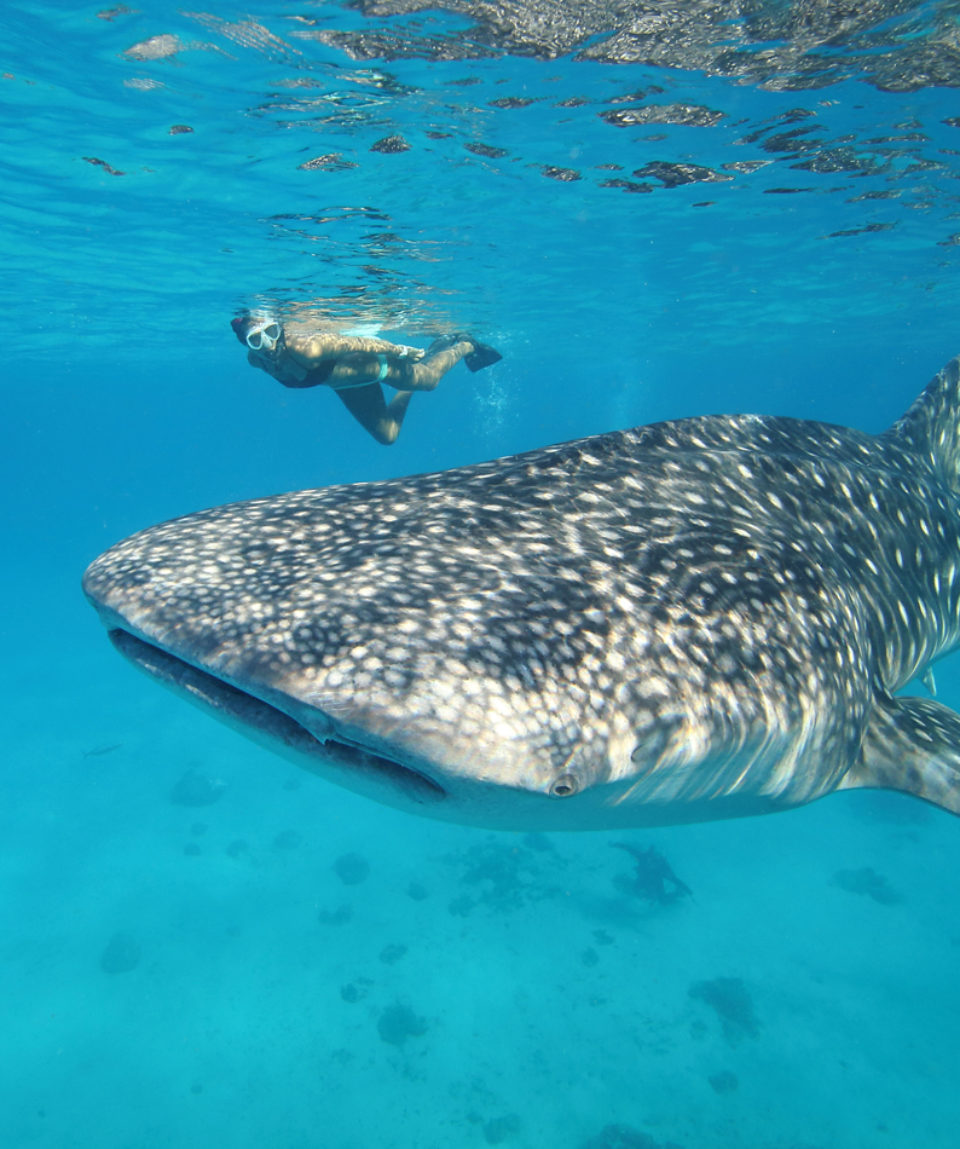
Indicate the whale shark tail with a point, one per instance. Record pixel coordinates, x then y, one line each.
931 426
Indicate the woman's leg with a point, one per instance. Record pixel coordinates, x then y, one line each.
427 372
405 374
367 405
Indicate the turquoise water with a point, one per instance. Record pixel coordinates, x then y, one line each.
176 974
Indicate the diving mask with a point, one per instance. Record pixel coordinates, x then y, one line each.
265 336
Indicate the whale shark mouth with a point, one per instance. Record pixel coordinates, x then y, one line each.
357 767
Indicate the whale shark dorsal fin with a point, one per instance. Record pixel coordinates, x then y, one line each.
911 745
931 426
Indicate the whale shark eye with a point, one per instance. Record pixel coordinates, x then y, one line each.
564 786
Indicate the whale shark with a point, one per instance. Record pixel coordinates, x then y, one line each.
704 618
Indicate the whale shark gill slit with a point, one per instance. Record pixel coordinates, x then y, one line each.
268 724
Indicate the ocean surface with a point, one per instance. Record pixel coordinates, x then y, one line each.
652 211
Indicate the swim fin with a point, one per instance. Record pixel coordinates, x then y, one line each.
481 356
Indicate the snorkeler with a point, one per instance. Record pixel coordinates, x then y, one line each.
356 366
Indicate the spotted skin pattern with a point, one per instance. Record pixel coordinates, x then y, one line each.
695 619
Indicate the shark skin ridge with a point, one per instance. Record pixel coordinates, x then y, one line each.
696 619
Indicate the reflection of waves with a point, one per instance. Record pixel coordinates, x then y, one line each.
246 34
444 184
898 44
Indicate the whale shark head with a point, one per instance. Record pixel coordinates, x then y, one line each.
381 634
691 620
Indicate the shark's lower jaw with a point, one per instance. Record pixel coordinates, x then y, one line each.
357 768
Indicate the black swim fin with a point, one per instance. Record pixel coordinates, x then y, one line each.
481 356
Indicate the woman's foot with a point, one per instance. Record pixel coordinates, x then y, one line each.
481 356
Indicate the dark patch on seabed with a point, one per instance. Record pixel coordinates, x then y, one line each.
121 953
730 999
194 788
868 882
653 878
397 1023
618 1136
352 869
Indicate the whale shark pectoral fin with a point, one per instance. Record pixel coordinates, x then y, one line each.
911 745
